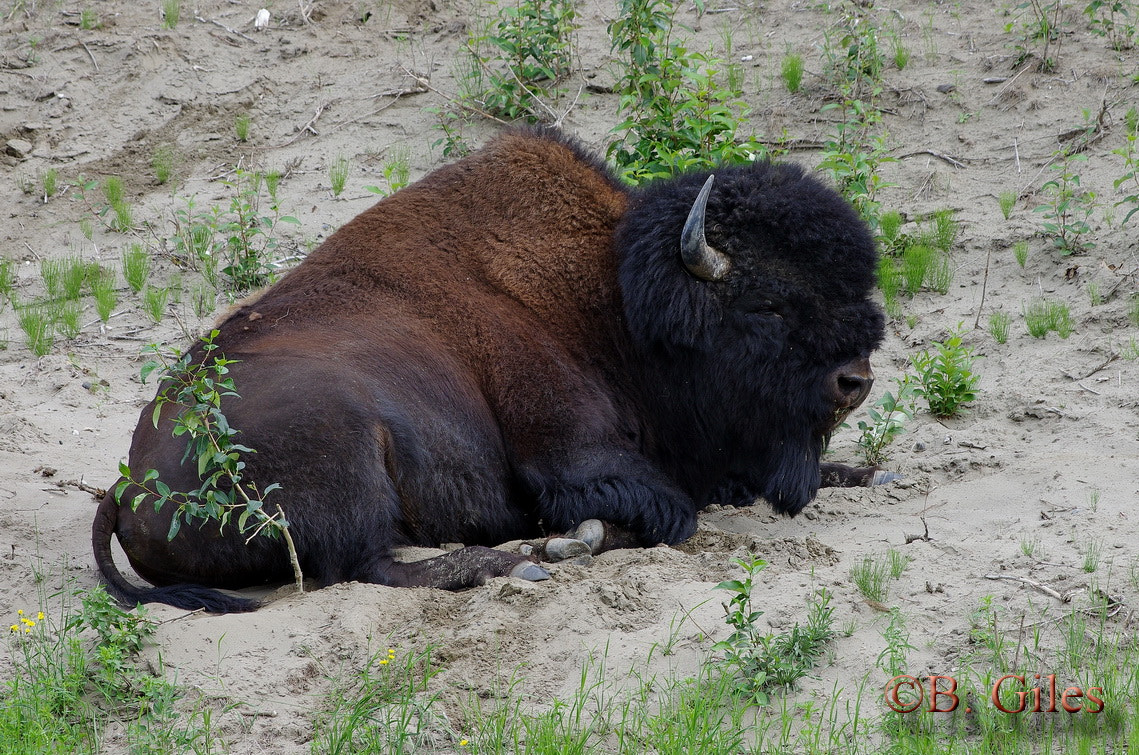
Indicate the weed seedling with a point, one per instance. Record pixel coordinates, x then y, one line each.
947 379
1020 251
154 300
791 70
73 276
106 297
759 661
869 575
36 322
49 183
163 163
51 271
88 19
999 323
7 279
1095 296
241 125
136 267
1070 207
897 563
887 421
1007 201
1092 556
171 13
67 323
1042 316
1133 309
338 174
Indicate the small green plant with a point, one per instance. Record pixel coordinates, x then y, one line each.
49 183
945 229
154 300
1020 251
52 272
241 125
113 190
518 60
171 13
103 289
238 242
1114 20
887 421
852 53
1129 180
870 576
759 661
163 163
7 279
1031 548
896 563
677 115
1092 554
37 323
889 230
338 171
852 155
1007 202
890 282
1095 295
74 275
136 267
999 324
791 70
1070 207
924 265
67 323
901 52
196 386
88 19
946 375
1042 317
1133 309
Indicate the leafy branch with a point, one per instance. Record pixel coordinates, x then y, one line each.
197 389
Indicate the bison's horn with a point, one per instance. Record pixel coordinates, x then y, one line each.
703 261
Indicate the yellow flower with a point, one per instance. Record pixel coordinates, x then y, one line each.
28 630
15 628
462 743
384 662
20 612
391 653
40 616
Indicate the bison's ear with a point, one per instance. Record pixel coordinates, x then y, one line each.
703 261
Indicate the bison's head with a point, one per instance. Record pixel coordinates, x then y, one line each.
747 298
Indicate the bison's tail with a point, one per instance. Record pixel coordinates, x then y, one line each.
189 597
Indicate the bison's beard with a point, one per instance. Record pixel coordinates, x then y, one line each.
794 478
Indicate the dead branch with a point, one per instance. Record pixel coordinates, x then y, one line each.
1066 597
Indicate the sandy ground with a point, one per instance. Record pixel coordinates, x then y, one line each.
1048 454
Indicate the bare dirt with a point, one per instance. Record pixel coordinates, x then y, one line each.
1047 455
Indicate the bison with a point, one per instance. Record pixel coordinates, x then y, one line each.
517 346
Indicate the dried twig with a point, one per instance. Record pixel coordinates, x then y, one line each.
80 485
234 32
924 536
1066 597
310 126
951 160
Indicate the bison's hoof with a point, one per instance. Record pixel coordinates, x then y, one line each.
592 533
882 477
530 572
563 548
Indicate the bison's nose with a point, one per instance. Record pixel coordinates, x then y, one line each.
850 384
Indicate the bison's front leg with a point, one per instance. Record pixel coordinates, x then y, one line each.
615 487
591 537
842 476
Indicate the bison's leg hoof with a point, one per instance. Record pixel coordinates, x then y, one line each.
564 548
592 533
530 572
882 477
